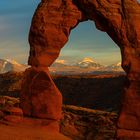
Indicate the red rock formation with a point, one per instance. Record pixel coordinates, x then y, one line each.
39 97
50 29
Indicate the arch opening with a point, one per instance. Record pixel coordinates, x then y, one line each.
90 60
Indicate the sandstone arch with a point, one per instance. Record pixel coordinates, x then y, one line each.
51 26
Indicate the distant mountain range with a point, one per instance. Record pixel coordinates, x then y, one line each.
87 65
11 65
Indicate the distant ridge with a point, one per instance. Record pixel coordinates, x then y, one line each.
89 63
86 65
11 65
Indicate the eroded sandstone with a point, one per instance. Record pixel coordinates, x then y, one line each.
39 96
50 29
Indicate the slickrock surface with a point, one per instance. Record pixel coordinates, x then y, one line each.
13 126
77 123
16 132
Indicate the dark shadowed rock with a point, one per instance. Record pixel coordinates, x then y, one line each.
103 92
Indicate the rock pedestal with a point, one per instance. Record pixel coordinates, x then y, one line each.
39 97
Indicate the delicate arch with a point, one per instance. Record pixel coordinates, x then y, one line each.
51 26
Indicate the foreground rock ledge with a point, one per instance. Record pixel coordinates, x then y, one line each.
50 29
22 132
77 123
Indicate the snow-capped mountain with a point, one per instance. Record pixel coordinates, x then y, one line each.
11 65
89 63
86 66
114 67
59 63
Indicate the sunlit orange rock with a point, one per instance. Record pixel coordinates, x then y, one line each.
50 29
39 97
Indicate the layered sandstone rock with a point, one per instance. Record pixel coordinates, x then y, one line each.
50 29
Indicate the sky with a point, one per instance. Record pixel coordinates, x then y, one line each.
85 40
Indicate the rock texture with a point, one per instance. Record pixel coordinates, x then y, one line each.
39 96
50 29
85 124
